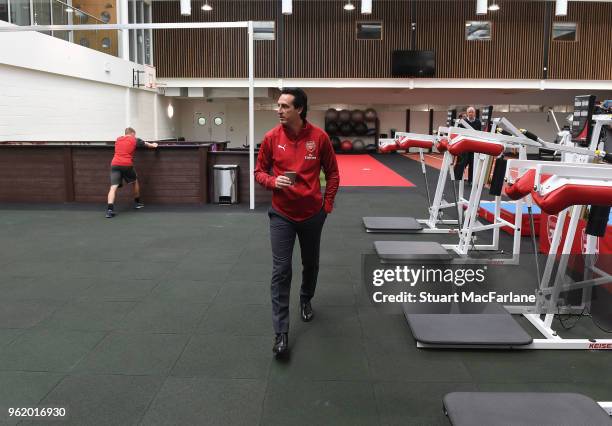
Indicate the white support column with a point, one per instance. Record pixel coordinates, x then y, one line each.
124 35
251 120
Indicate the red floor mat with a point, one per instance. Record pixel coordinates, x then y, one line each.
364 170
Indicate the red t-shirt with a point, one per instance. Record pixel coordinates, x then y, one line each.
306 154
124 150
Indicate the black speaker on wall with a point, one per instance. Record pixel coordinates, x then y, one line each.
413 63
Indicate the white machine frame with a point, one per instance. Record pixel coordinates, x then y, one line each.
577 173
434 221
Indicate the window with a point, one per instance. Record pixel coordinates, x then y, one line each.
20 12
478 30
369 30
4 10
60 17
131 6
141 46
147 35
139 33
263 30
564 31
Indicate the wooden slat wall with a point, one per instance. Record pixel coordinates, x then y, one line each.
516 50
320 40
212 53
591 56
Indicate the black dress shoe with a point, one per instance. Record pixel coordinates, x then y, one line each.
281 344
306 311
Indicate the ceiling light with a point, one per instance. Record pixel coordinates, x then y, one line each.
561 8
349 6
494 7
287 7
69 10
481 7
207 7
366 7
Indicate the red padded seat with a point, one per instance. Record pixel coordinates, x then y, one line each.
571 195
462 144
406 142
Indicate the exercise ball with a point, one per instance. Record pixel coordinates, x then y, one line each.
370 114
331 127
346 129
346 146
331 115
357 116
358 145
344 116
335 140
360 128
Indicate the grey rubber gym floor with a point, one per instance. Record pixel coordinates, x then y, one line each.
162 316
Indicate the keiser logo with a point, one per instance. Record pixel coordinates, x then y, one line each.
600 346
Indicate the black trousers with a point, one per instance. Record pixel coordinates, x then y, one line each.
282 235
465 160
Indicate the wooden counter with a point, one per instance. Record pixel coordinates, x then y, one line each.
60 172
79 172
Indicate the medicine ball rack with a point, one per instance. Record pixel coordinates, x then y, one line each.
341 125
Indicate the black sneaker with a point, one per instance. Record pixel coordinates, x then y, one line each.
110 214
138 206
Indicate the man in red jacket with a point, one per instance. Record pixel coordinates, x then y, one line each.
289 163
122 168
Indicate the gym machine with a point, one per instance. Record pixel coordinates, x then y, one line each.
434 224
556 187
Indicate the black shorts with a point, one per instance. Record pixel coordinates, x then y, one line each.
119 174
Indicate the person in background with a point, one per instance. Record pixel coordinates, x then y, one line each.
467 159
289 163
122 168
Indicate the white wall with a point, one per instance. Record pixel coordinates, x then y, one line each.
41 52
390 116
40 106
52 90
236 119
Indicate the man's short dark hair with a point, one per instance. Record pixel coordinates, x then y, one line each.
129 131
300 99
